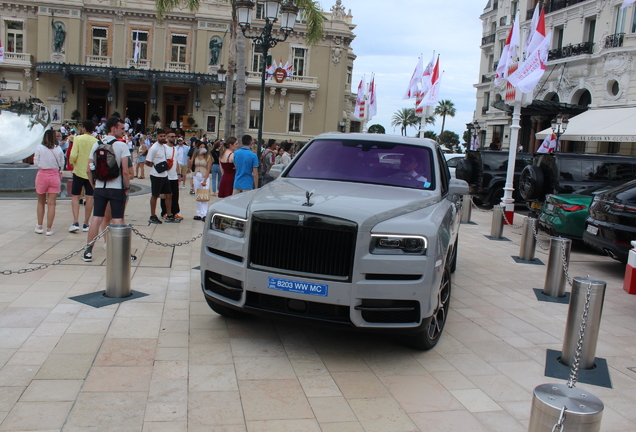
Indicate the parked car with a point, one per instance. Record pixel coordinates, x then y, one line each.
611 225
342 237
565 173
452 159
486 170
565 214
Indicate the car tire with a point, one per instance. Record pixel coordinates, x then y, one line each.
224 310
466 171
531 183
434 327
453 260
496 196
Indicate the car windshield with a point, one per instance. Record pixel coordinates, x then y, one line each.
374 162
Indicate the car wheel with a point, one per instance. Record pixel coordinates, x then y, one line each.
496 197
433 331
531 183
224 310
453 261
465 171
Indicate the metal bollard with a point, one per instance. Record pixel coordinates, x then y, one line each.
555 275
466 209
572 326
496 230
118 261
528 242
583 413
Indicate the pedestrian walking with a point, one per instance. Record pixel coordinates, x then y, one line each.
268 158
173 179
49 158
80 153
246 163
142 151
216 167
159 159
201 166
228 170
182 160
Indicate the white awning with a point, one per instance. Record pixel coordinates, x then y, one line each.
605 125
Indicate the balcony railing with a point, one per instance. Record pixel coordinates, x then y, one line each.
17 58
571 50
615 40
488 39
299 81
555 5
486 78
141 64
177 67
92 60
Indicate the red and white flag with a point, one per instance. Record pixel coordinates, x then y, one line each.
537 32
373 103
528 75
270 71
1 52
549 144
627 3
288 68
432 95
137 49
426 75
509 51
416 79
359 110
474 144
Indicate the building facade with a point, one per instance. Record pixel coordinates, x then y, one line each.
79 55
590 68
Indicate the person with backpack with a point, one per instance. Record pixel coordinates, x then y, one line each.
268 158
108 173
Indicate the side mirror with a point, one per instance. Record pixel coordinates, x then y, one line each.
458 187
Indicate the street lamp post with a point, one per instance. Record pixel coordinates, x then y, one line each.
559 125
220 96
265 41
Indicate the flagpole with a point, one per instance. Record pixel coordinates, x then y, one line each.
366 106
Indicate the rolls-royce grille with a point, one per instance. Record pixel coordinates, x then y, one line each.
303 244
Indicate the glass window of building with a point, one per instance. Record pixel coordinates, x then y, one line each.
620 20
143 43
257 59
100 41
260 11
254 110
300 60
295 117
15 36
179 46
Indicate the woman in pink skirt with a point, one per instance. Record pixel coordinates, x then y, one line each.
49 159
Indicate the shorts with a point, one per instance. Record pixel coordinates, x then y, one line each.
141 159
159 185
116 198
183 170
78 184
47 181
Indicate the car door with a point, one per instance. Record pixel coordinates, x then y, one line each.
452 202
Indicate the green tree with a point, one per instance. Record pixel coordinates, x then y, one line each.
430 134
467 137
404 118
445 108
310 13
450 140
376 128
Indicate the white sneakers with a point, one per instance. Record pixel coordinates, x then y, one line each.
49 233
39 229
74 228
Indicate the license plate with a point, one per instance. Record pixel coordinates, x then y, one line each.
550 207
298 287
592 229
535 205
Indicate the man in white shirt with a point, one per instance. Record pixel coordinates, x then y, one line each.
173 178
286 157
113 191
159 182
182 158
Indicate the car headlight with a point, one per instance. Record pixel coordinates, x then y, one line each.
392 244
230 225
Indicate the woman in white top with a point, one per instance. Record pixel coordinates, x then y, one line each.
49 159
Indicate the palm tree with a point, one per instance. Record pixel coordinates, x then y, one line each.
404 118
310 14
445 108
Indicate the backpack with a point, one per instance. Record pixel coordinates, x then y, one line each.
266 161
106 167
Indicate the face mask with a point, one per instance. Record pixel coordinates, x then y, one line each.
203 151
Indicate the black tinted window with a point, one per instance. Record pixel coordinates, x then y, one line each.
495 161
614 171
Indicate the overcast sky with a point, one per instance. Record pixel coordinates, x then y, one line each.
391 35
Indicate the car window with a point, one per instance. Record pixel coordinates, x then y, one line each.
452 162
495 161
374 162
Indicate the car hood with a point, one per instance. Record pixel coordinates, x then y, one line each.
365 204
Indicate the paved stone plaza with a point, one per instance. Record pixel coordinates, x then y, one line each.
167 363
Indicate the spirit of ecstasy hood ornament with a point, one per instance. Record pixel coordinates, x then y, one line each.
308 196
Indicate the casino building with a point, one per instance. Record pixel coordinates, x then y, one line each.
78 56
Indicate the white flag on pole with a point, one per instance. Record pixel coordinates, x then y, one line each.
530 72
416 79
537 33
137 49
373 104
358 112
270 71
474 144
1 52
426 75
548 145
508 52
627 3
432 96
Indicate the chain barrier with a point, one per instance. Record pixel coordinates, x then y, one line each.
149 240
54 263
574 374
564 261
478 209
536 236
558 426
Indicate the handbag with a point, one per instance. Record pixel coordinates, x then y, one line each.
162 166
203 195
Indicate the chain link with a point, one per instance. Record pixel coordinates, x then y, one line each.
478 209
564 261
536 235
169 245
558 426
56 262
574 374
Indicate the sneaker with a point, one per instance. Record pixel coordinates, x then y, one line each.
154 219
197 218
191 191
85 227
74 227
179 217
39 229
171 219
81 201
88 255
49 233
